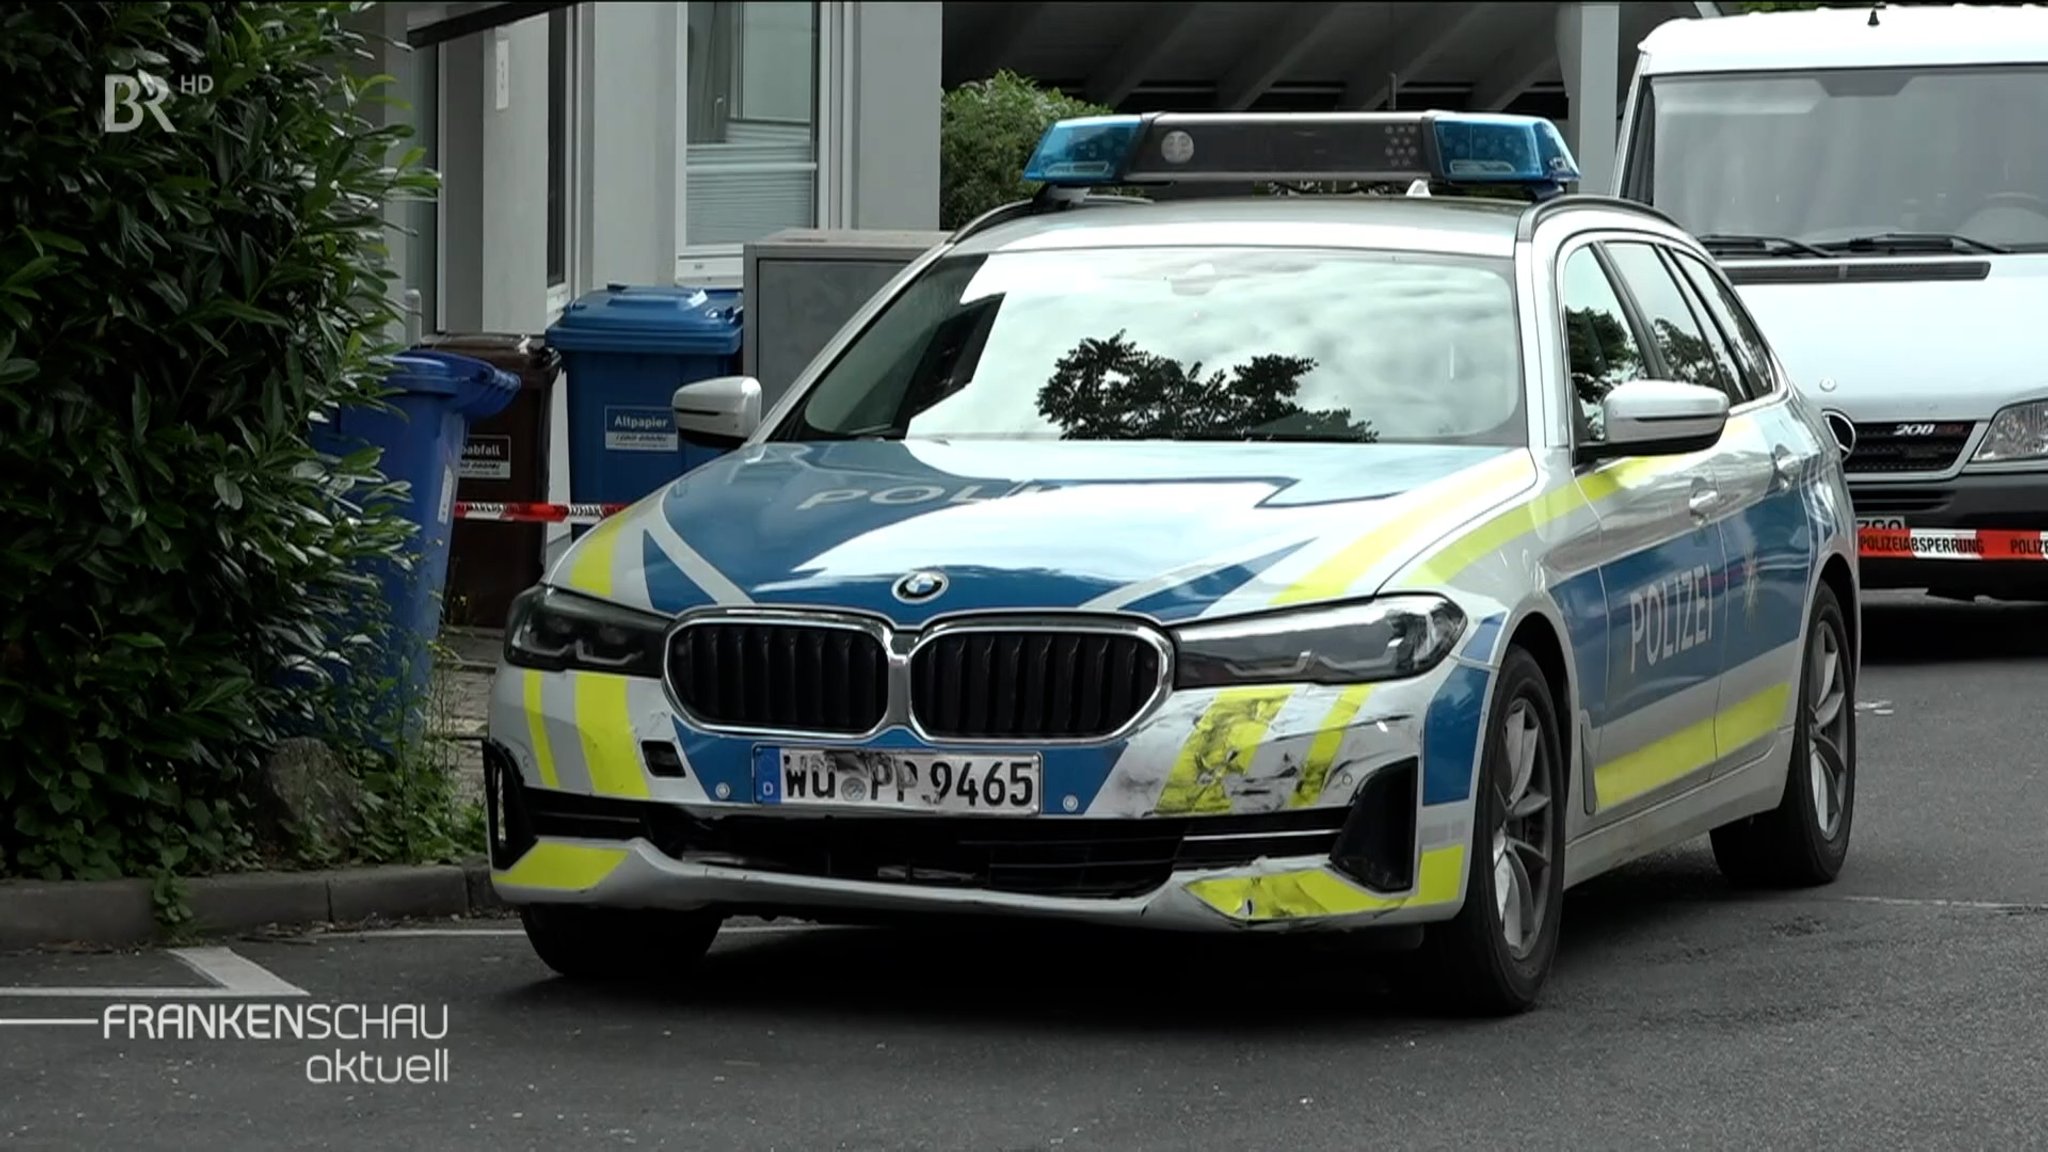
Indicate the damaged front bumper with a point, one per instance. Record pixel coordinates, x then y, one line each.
1373 864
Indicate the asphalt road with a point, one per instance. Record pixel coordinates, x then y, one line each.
1907 1005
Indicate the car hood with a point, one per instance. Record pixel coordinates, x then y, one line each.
1907 349
1166 530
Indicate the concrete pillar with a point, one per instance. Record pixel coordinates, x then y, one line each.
893 164
1589 49
630 116
515 178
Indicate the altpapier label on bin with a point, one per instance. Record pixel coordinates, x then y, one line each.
630 429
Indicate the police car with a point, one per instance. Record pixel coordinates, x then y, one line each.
1223 564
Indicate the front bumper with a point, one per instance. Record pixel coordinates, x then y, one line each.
1291 806
1984 533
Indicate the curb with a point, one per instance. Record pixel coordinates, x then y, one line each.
121 913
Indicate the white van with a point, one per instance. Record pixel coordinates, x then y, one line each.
1875 182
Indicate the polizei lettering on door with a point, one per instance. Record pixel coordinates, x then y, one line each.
1671 616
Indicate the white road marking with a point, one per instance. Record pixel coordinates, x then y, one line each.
235 973
231 976
1936 902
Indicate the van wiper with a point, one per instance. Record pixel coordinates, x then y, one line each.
1913 242
1718 242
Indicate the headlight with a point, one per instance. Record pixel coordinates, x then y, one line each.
1376 640
2019 432
554 630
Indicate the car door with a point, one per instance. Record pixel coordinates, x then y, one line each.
1661 549
1770 466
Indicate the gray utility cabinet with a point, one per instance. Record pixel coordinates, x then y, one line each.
802 285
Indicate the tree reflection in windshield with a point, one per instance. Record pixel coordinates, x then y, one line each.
1113 390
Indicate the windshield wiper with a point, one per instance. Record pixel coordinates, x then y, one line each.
1716 242
1905 241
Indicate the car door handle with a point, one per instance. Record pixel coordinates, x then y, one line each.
1703 499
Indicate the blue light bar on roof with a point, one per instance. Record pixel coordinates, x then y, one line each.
1187 147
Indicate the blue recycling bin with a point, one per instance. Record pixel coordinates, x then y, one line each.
625 351
420 437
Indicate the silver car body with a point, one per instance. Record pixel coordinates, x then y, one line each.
1668 597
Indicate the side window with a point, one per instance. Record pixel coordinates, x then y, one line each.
1692 352
1743 339
1600 349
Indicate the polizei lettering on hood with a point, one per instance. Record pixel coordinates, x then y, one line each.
1671 616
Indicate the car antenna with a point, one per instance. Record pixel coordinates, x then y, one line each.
1875 8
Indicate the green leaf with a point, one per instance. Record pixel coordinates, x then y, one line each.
230 492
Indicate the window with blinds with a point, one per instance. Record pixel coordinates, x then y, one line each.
752 162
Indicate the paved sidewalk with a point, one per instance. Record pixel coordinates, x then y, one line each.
464 691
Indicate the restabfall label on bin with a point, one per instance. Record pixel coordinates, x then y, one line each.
487 458
639 429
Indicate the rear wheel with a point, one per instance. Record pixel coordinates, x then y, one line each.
1495 956
1803 841
614 944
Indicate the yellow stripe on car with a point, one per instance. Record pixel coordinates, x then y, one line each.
537 727
1223 743
1312 892
562 867
1335 576
611 752
1322 752
596 557
1689 749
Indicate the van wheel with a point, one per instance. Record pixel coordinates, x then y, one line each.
1495 956
614 944
1804 840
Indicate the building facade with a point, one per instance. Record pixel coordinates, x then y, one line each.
587 144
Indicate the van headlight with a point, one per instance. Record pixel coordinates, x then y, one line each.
1385 639
2018 432
558 631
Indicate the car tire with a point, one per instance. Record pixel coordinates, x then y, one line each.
1473 963
1804 840
613 944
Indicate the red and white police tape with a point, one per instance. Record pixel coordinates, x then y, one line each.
536 513
1951 544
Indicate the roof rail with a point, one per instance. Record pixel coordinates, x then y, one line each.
1536 213
1051 198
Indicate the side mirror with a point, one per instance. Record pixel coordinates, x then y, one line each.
1658 418
718 413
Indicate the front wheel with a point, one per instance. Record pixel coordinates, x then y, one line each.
1804 840
614 944
1494 957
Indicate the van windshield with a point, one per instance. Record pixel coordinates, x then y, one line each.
1851 161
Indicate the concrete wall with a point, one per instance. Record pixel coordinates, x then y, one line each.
895 51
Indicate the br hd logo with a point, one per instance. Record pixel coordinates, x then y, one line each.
130 97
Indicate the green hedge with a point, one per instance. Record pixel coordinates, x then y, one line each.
175 307
987 129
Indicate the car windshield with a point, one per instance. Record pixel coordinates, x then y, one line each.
1856 161
1223 343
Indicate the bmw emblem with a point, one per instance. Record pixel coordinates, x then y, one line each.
920 586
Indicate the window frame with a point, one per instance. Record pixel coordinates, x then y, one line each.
1665 371
1631 318
566 101
1748 335
720 263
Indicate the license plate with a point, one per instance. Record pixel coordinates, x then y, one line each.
871 780
1882 523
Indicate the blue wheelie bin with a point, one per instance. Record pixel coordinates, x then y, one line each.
420 438
625 351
